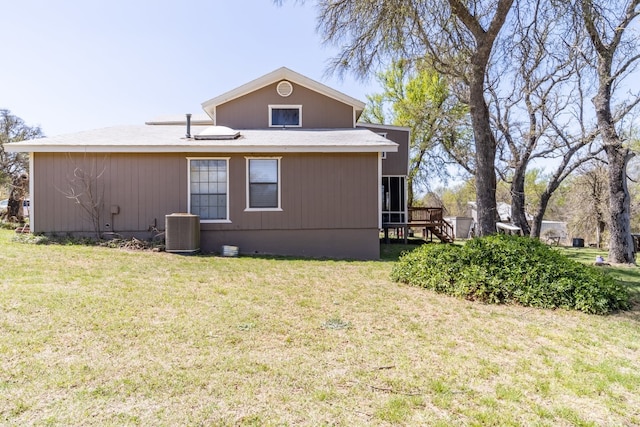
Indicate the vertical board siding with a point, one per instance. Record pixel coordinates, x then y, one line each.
251 111
319 191
145 187
396 163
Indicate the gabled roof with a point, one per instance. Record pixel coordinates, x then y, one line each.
282 73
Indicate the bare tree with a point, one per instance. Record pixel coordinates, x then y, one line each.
530 95
615 45
86 189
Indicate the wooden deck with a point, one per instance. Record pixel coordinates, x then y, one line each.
429 220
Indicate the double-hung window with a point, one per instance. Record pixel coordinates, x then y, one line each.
209 188
263 183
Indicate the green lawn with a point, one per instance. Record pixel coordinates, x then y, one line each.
98 336
630 276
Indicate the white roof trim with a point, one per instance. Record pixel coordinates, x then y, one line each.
206 148
380 126
282 73
167 139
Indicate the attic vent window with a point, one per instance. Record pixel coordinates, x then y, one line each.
284 88
285 116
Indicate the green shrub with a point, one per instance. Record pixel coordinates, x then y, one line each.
504 269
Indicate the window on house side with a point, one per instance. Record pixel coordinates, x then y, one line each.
208 189
263 181
285 115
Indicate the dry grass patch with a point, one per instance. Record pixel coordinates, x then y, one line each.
98 336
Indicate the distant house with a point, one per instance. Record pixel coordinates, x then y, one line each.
552 231
279 165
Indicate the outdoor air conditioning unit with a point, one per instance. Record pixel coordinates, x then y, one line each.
182 233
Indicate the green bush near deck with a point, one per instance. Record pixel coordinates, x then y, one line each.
504 269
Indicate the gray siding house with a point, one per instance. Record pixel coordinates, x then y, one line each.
277 166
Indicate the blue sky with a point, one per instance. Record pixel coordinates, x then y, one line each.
74 65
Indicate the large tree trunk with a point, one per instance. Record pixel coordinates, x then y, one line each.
19 188
606 45
485 151
620 240
518 212
480 119
536 224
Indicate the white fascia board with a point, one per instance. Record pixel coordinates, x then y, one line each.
208 148
380 126
282 73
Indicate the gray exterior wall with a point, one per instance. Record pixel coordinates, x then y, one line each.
397 163
252 110
329 201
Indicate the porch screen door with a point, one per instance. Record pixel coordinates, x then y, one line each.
394 200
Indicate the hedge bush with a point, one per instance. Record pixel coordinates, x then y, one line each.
505 269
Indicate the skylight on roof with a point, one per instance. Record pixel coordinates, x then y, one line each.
217 132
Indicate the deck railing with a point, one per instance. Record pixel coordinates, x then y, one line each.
425 215
431 219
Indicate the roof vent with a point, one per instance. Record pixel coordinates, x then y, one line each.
284 88
188 135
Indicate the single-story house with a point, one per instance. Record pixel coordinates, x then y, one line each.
279 165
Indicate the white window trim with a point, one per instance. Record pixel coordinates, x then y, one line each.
299 107
207 221
247 205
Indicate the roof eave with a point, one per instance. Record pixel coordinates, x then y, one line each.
383 126
202 148
277 75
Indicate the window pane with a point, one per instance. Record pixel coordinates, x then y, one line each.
263 170
263 196
285 117
208 188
